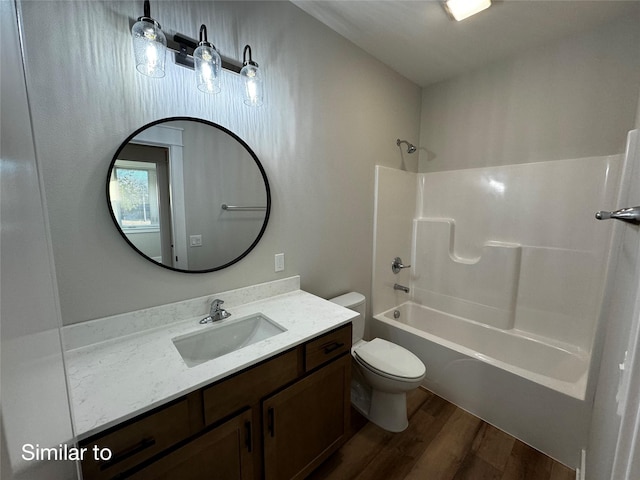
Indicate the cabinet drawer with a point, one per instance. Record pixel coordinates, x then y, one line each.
223 453
248 387
137 441
327 347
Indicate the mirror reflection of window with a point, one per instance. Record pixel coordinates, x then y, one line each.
136 185
139 192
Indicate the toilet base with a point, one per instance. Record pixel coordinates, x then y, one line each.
360 396
387 410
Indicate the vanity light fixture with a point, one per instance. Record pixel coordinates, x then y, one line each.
461 9
149 44
252 79
207 64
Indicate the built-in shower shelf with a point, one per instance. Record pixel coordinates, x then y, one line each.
483 288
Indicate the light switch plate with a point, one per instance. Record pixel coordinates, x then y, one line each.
279 262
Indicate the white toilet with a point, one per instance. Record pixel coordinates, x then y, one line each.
383 372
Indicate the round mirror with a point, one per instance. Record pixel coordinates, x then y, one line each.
188 194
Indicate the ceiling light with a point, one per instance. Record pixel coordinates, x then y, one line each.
461 9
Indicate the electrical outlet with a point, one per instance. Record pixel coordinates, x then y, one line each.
195 240
279 259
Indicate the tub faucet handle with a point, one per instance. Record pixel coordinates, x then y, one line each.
397 265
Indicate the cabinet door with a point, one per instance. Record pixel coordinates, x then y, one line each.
306 422
224 453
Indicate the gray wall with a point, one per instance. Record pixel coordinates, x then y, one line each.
35 404
638 114
569 99
605 422
331 113
618 311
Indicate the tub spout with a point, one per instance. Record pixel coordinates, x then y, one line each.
397 286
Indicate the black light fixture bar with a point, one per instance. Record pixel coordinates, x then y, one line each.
183 48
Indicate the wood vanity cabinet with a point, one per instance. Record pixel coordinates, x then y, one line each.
276 420
306 422
223 453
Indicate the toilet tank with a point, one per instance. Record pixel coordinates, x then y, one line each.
357 302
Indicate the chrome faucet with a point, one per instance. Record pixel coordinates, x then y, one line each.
397 265
397 286
216 313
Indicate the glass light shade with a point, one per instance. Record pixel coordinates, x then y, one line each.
207 64
149 47
252 79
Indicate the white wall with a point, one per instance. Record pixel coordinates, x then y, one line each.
395 208
550 285
34 397
570 99
618 315
331 113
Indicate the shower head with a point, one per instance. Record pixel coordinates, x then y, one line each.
410 147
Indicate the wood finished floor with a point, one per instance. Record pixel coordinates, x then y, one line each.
442 442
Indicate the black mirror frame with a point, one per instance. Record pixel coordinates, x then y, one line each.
235 137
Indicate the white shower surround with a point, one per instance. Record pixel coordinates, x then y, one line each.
503 372
546 208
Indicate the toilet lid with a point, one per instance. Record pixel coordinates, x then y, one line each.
390 358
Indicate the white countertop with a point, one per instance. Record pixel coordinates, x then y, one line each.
115 380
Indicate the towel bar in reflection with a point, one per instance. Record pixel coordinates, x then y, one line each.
238 208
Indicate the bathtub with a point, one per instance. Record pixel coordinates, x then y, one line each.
530 387
559 367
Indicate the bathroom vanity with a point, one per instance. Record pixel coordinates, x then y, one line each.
283 416
275 409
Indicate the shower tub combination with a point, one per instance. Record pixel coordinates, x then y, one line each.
553 366
506 287
530 389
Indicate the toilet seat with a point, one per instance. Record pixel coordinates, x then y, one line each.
389 360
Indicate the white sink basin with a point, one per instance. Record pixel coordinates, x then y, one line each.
217 340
